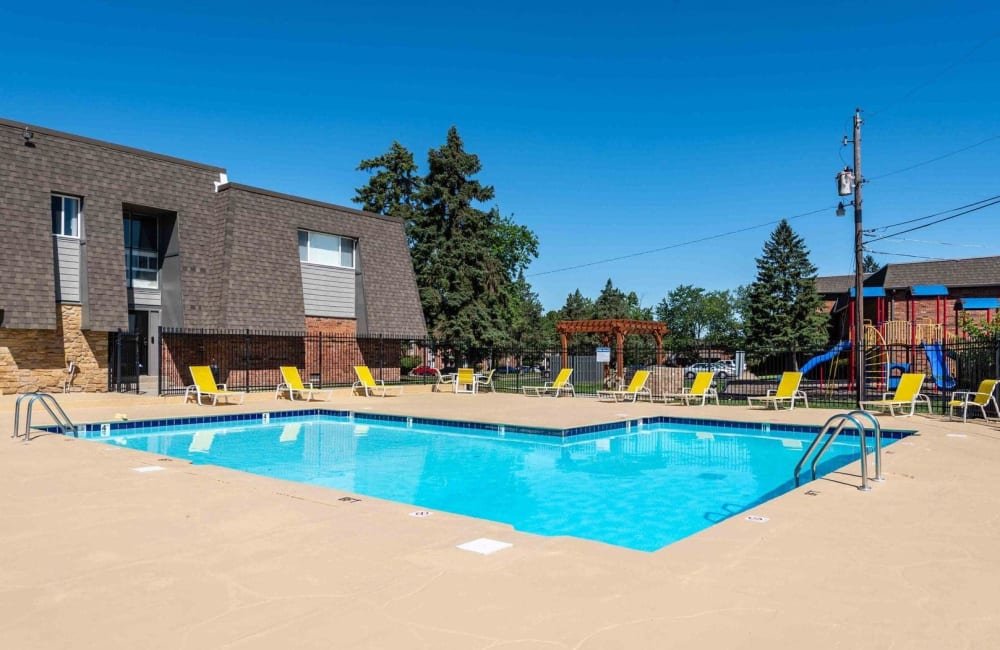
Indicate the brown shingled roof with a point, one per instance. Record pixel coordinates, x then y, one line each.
834 283
971 272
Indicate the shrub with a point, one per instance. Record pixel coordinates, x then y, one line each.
408 363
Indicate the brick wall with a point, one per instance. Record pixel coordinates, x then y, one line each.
336 326
37 359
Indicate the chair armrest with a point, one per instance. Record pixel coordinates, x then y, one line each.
222 386
771 392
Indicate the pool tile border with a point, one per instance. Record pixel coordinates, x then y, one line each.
575 433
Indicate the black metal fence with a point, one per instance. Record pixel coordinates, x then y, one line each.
124 363
250 360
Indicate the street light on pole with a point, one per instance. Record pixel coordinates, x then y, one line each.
849 181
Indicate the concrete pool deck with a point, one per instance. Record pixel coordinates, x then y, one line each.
97 555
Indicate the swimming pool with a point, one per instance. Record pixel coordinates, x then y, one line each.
642 483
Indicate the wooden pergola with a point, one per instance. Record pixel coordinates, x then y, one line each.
608 327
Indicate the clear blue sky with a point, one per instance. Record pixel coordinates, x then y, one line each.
608 129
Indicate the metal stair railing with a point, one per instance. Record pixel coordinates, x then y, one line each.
50 404
833 427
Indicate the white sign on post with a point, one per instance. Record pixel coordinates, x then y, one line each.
603 355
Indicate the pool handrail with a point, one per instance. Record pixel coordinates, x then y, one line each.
58 415
840 421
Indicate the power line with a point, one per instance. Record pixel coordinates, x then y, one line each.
936 214
938 243
932 160
919 257
677 245
927 225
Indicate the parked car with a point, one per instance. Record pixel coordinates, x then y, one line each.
729 365
507 370
420 371
721 370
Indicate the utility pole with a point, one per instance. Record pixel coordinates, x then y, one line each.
848 182
859 276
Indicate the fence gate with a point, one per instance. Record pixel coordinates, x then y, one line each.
123 362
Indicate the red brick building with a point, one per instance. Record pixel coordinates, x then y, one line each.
916 300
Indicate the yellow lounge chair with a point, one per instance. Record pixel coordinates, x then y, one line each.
292 384
444 380
465 381
486 382
205 386
787 391
631 393
555 388
982 398
907 394
370 386
701 388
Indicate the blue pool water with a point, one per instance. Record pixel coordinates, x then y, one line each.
642 487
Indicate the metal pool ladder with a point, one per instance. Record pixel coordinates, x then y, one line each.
834 426
50 404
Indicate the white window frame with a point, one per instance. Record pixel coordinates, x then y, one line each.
62 215
306 256
136 273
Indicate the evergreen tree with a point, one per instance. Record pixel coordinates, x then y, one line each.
468 262
461 278
612 303
635 309
393 186
869 265
785 310
577 307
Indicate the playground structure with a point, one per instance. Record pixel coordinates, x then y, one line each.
894 347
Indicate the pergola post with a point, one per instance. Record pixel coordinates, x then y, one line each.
564 339
620 356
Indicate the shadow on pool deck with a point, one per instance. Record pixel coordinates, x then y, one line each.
197 556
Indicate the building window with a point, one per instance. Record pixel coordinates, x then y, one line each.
328 250
66 215
142 259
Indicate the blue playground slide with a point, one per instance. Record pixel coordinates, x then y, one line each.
939 366
826 356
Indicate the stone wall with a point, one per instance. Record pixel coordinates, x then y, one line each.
37 359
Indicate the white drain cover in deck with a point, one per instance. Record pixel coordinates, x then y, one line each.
484 546
148 468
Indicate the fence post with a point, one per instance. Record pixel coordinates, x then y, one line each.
381 357
319 342
246 360
159 359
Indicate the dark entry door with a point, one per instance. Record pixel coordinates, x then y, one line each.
138 326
